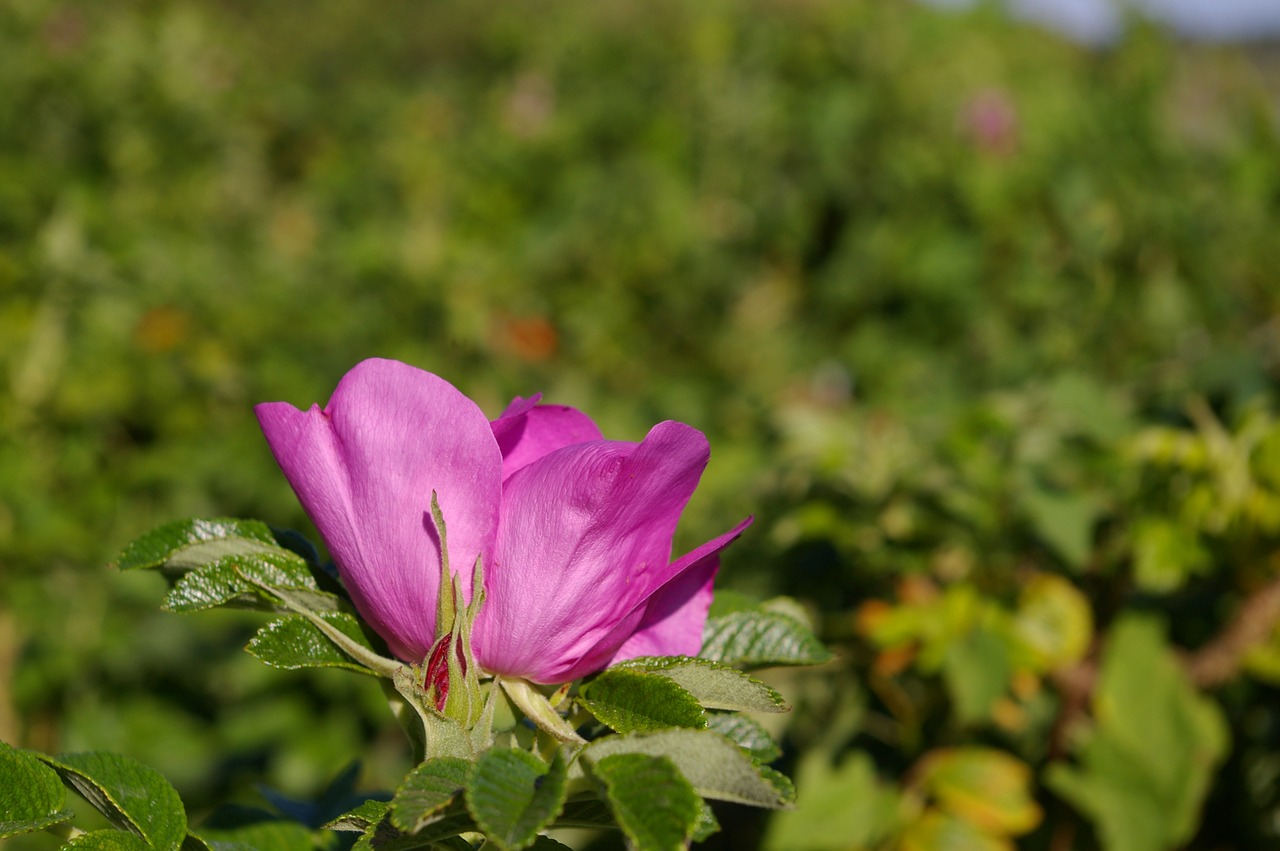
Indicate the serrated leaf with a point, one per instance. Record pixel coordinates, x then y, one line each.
294 642
132 796
715 686
513 795
108 840
237 580
715 766
360 818
707 825
31 795
651 800
546 843
631 701
192 543
427 791
760 638
746 733
384 836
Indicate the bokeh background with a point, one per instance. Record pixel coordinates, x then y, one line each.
982 324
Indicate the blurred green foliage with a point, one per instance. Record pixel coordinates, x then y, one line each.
981 324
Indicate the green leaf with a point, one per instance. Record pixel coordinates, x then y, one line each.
227 581
108 840
715 686
707 825
760 638
632 701
132 796
585 812
715 766
31 795
361 818
267 835
513 795
838 807
976 669
653 803
189 544
746 733
1147 764
983 786
294 642
427 791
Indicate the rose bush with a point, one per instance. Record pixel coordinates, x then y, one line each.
574 531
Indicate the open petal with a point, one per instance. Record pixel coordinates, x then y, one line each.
585 541
527 431
675 615
364 469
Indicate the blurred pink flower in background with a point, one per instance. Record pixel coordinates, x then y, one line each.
990 119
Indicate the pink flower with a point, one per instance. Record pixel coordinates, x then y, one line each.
574 530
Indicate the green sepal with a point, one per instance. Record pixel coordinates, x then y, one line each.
632 701
539 710
464 701
716 767
438 735
31 795
715 685
130 795
652 802
513 795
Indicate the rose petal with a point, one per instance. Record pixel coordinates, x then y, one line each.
585 540
526 433
675 615
364 469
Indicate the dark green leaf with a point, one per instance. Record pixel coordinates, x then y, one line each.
193 543
715 766
132 796
228 581
31 795
427 791
383 836
108 840
294 642
585 812
746 733
361 818
513 795
632 701
716 686
651 800
761 638
546 843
